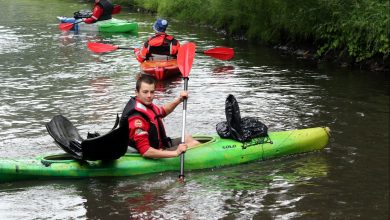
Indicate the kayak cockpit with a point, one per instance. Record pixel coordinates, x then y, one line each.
204 139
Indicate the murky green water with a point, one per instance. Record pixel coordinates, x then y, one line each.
44 72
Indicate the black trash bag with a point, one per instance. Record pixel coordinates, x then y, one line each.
223 129
109 146
252 128
237 128
82 14
233 118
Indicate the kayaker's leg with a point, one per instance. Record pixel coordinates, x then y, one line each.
190 141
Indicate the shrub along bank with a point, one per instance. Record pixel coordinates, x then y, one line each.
353 32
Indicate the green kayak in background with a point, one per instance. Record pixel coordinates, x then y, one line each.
213 152
107 26
115 26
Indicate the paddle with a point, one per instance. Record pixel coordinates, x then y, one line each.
185 58
222 53
104 48
67 26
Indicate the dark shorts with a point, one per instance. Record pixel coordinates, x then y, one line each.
175 143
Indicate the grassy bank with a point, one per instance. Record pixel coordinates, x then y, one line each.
354 32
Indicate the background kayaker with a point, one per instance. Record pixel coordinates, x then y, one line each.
160 46
144 120
102 10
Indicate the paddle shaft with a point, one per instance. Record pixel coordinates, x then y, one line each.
132 48
221 53
181 176
126 48
78 22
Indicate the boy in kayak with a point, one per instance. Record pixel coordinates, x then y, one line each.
102 10
144 120
160 46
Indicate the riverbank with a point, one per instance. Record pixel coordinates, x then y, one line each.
349 33
308 52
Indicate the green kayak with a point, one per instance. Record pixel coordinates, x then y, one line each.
117 26
213 152
107 26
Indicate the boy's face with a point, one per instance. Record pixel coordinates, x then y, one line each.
146 93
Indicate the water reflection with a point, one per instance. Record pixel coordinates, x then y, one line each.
108 35
266 189
223 70
45 201
260 189
11 41
255 190
165 86
70 38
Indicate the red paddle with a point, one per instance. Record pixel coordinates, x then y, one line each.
222 53
185 58
67 26
104 48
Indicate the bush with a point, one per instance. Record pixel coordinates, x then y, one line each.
355 28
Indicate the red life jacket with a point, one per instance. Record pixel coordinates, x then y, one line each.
101 11
156 132
161 44
107 7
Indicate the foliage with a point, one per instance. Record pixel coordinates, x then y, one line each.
361 28
355 28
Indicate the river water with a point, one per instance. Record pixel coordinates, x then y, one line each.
44 72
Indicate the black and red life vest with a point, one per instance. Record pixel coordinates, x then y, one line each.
156 132
162 44
107 7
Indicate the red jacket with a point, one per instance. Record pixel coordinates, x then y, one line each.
161 44
145 125
101 11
